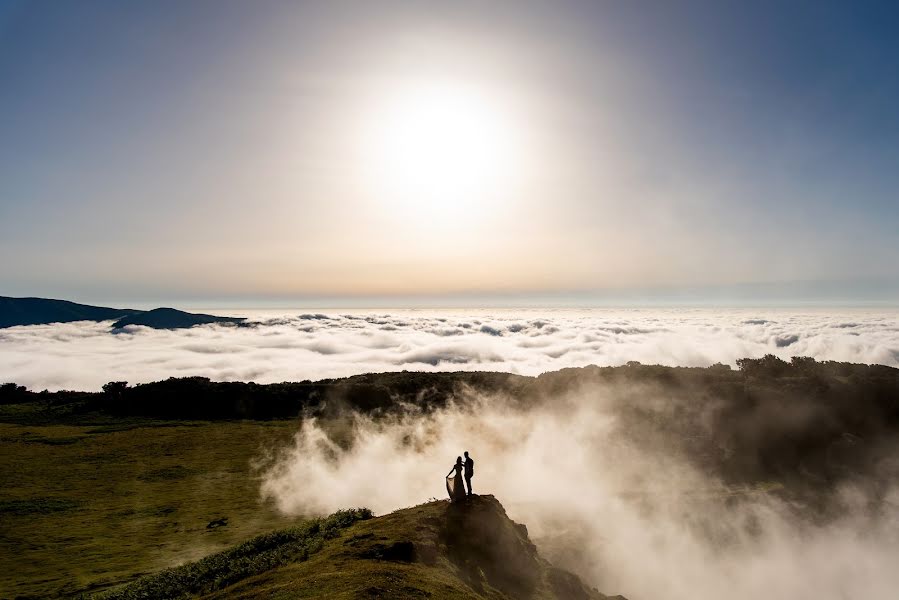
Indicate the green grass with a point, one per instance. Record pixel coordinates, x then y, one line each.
87 507
37 506
346 555
255 556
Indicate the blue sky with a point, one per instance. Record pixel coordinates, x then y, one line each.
224 151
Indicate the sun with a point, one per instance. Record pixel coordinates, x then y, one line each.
440 151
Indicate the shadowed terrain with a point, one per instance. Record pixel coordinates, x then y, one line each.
170 318
435 550
41 311
101 488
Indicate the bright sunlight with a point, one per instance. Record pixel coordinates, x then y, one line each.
440 151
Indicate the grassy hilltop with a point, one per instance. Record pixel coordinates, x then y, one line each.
437 550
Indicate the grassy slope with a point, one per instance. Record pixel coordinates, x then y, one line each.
435 550
83 507
257 555
87 507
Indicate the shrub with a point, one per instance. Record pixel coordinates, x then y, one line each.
256 555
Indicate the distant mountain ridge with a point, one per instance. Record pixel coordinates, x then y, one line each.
43 311
171 318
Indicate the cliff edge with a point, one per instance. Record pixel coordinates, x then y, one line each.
436 550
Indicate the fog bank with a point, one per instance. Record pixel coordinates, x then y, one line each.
314 345
632 518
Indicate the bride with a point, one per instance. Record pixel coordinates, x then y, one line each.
454 485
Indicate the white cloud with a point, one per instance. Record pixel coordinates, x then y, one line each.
292 347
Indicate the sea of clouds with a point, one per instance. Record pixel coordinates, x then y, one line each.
298 345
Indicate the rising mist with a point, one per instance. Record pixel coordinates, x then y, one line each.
635 487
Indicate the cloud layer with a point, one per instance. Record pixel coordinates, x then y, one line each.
316 345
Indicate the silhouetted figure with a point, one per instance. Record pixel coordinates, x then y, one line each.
454 485
469 471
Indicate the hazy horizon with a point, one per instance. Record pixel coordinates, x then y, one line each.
763 295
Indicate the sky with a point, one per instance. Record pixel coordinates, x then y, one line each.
280 153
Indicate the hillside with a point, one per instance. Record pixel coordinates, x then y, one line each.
171 318
41 311
435 550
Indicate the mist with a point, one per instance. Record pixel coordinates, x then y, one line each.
630 513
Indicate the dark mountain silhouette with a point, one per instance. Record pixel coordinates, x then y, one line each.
434 550
170 318
40 311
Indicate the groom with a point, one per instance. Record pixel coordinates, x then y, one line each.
469 471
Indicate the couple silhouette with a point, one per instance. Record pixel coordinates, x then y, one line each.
454 486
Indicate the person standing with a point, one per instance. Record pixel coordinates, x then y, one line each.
469 471
454 486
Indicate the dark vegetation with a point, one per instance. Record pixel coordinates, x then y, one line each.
769 419
805 424
200 398
41 311
257 555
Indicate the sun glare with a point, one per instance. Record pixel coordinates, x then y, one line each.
441 151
